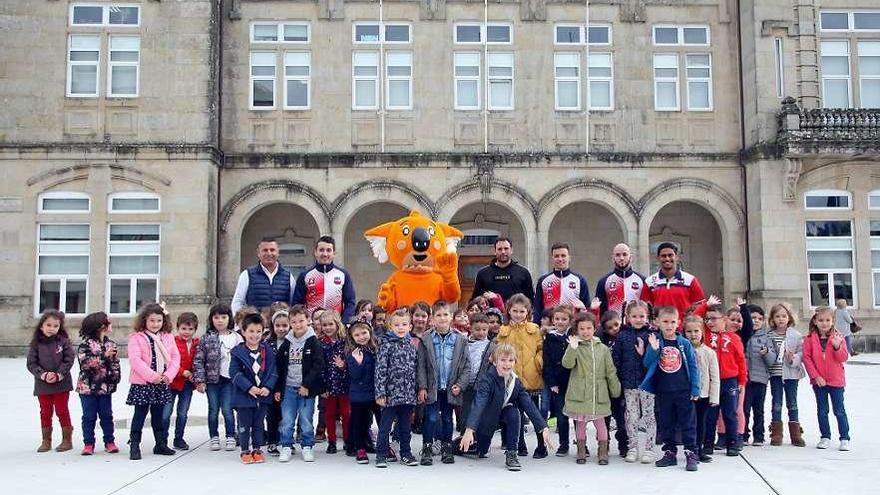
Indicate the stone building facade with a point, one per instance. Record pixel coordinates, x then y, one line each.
148 144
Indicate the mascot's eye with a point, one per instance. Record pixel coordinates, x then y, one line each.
431 231
406 230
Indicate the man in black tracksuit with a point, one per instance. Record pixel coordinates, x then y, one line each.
504 276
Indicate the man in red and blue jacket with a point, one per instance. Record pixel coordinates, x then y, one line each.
672 286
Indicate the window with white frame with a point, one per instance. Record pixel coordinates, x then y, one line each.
491 33
83 59
567 78
384 32
62 268
396 33
843 21
575 34
468 32
467 80
875 259
699 81
666 89
600 74
133 202
499 33
283 32
365 80
681 35
133 267
297 80
874 200
500 73
63 202
262 87
398 80
869 74
830 262
828 200
104 15
835 74
123 67
779 66
364 32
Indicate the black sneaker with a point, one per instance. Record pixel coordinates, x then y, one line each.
408 460
381 462
427 456
562 451
692 461
668 459
511 460
732 451
180 444
272 450
391 456
719 445
331 447
446 454
707 451
523 451
540 452
705 458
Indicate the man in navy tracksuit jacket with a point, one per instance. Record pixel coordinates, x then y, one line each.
621 285
561 286
325 285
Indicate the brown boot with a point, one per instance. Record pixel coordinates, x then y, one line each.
776 433
794 429
581 451
46 446
66 439
603 453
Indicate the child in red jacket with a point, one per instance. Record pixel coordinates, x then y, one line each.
825 352
719 336
182 386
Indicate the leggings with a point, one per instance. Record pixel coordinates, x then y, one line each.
57 404
580 429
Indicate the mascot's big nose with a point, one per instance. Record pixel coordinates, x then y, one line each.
420 240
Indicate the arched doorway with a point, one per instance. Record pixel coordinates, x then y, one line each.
291 225
693 228
366 270
482 223
592 231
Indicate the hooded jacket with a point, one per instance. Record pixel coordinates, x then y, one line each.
593 380
396 368
526 339
312 362
652 361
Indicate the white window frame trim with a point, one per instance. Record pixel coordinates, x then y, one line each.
874 271
111 65
874 193
677 81
69 89
478 78
251 79
485 32
850 20
681 28
512 78
577 79
478 24
307 79
569 25
105 14
828 192
387 78
133 195
279 32
849 76
62 279
586 35
858 55
709 80
375 79
131 277
853 272
600 79
63 195
381 40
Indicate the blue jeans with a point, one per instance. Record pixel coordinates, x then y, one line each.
754 404
778 386
94 406
510 418
836 395
727 408
295 406
183 399
220 399
250 426
849 344
402 414
545 405
440 411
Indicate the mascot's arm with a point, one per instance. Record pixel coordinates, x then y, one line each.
447 267
387 298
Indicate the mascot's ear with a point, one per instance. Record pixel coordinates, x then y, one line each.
453 236
377 237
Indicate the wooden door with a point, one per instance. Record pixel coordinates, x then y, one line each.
468 266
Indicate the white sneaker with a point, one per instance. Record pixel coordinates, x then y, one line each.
215 443
286 452
230 443
308 455
632 456
824 443
844 445
647 457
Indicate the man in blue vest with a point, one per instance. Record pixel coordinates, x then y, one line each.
264 283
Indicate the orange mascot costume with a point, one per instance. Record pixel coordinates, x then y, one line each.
423 251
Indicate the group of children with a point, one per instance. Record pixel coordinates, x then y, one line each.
657 374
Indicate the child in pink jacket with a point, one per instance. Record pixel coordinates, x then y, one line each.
154 361
824 354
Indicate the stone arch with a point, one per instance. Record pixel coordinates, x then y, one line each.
244 204
591 229
372 191
359 260
723 207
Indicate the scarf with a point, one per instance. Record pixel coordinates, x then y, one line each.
162 356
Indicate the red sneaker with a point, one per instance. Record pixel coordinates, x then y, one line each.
247 458
111 448
258 456
88 449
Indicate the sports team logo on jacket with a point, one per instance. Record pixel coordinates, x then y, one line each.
563 290
321 294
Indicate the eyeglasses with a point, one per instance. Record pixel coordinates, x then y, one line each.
710 319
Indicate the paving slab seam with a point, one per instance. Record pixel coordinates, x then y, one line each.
765 480
158 468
